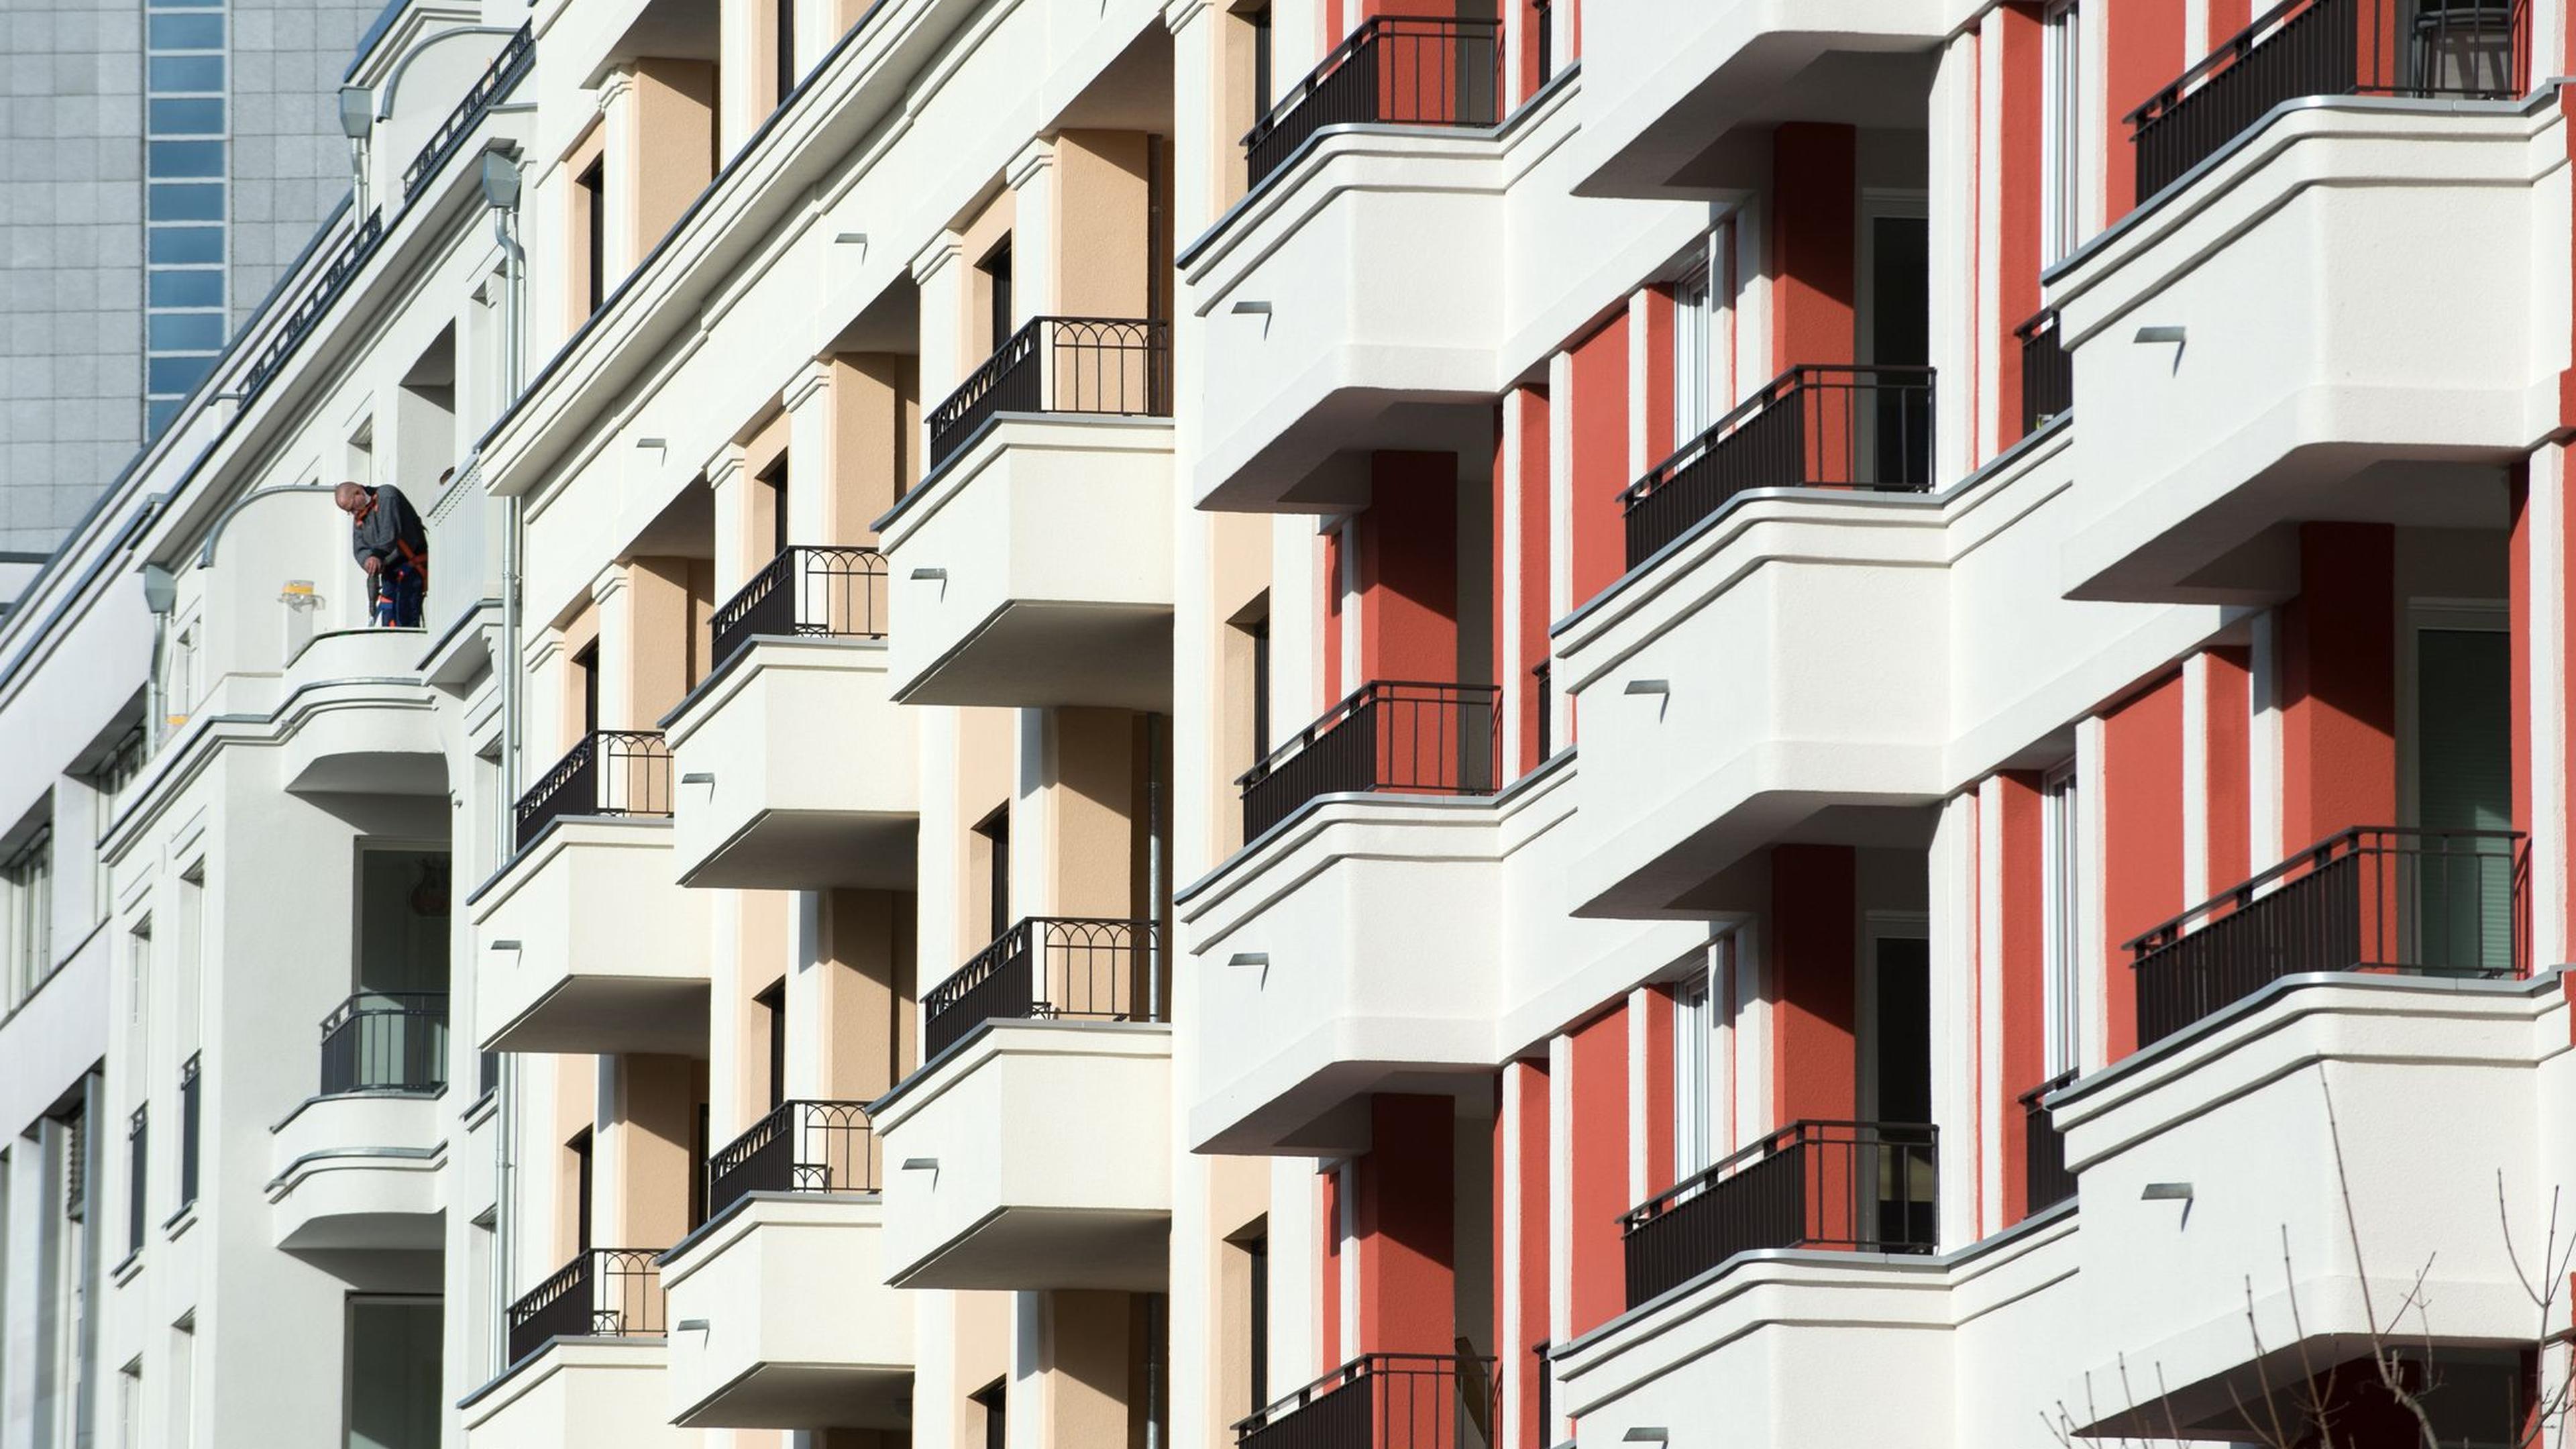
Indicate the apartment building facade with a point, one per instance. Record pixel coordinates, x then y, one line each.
1562 721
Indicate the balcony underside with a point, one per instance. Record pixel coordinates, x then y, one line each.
1123 655
610 1014
814 850
1023 1247
791 1396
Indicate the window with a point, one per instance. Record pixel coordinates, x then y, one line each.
996 268
391 1378
1694 391
1256 1253
27 878
1264 89
108 784
185 159
993 837
1694 1144
579 1147
587 661
774 479
994 1400
2061 839
774 1002
2061 132
593 184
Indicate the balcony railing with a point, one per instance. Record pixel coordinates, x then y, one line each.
1098 365
1384 1401
1810 427
1403 70
2423 48
2373 898
516 58
2045 1180
798 1147
1050 969
308 313
191 1120
611 772
837 593
2047 372
385 1041
1421 739
1865 1186
601 1293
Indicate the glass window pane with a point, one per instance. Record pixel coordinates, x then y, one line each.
186 158
186 73
175 374
185 289
186 331
201 117
187 32
158 413
186 244
188 201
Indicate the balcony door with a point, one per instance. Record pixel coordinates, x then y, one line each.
392 1377
1896 1081
2461 770
1895 331
401 971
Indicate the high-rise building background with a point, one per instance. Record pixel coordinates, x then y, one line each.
161 163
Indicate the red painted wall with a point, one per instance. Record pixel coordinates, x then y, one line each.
1408 568
1598 1145
1815 218
1526 410
2339 683
1524 1086
2228 746
1657 1108
2017 186
1404 1226
1660 442
2022 966
1598 548
2142 795
2145 53
1335 686
1328 1189
1813 983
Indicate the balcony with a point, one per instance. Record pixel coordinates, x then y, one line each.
2045 1180
789 1278
1681 85
2230 390
1869 1187
1098 366
1385 737
2047 373
358 1164
518 56
1864 428
2470 51
601 1293
2442 903
585 1354
1034 567
586 944
1385 1401
1394 70
1032 1148
797 768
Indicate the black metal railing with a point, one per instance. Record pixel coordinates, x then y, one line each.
1387 735
798 1147
1841 426
2047 372
1866 1186
1050 968
1385 1401
191 1121
1543 26
2373 898
1543 686
300 322
611 772
516 58
835 593
385 1041
138 1149
2422 48
601 1293
2045 1180
1409 70
1098 365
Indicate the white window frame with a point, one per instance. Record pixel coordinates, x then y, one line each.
1694 1075
2061 915
2061 130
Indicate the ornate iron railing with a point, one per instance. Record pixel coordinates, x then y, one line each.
1866 1186
2373 898
516 58
1050 968
385 1041
611 772
1412 70
806 590
601 1293
1100 365
1841 426
798 1147
2424 48
1387 735
308 313
1385 1401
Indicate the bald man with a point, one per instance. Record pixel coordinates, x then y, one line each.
389 543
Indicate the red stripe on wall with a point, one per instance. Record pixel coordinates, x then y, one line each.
2145 53
1598 548
2017 186
1658 1105
1815 219
1813 983
1404 1226
1408 574
2228 746
1660 442
1524 1086
2022 969
2339 683
1598 1187
2142 795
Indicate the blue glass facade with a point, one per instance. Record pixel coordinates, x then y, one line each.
186 208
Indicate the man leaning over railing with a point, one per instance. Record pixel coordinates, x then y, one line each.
389 543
